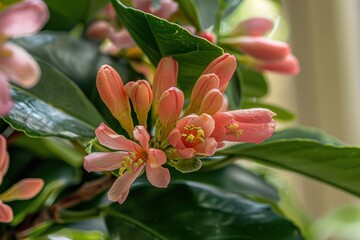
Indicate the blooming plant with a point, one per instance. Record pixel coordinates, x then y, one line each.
130 118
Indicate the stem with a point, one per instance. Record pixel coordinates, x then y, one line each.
219 16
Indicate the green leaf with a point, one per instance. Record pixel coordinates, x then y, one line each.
281 114
65 14
75 234
54 107
232 178
253 83
319 158
194 211
158 38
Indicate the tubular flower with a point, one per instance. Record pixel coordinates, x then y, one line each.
165 77
25 189
16 64
248 125
129 159
111 89
141 97
170 106
260 52
191 137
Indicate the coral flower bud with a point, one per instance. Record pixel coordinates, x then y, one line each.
288 65
165 78
111 89
170 106
212 102
141 97
99 30
211 37
256 26
260 48
224 67
202 86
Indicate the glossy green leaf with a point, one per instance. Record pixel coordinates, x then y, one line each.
194 211
158 38
281 113
232 178
64 14
75 234
54 107
320 158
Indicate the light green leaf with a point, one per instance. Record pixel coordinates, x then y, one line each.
158 38
54 107
194 211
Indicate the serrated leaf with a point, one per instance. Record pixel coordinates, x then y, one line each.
320 158
194 211
158 38
54 107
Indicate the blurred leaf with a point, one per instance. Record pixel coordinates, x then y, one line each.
190 11
57 176
253 83
65 14
158 38
281 114
194 211
322 160
232 178
234 92
54 107
75 234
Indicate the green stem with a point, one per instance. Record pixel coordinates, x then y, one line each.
219 16
135 222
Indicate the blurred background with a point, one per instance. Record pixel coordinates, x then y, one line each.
325 37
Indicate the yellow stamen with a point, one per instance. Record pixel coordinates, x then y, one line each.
190 138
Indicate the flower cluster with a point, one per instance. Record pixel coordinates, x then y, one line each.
179 136
25 189
18 20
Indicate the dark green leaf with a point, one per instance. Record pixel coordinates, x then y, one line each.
232 178
54 107
281 114
253 83
75 234
329 163
158 38
65 14
194 211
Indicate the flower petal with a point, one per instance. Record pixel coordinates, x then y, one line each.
4 158
103 161
19 66
156 158
24 18
5 99
6 213
120 189
186 153
111 139
207 148
174 138
206 123
142 135
158 177
288 65
25 189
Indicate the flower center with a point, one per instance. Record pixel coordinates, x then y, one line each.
232 129
192 135
132 162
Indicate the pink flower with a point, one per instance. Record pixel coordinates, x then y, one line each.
25 189
16 64
130 158
256 26
111 89
248 125
165 78
191 136
141 96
